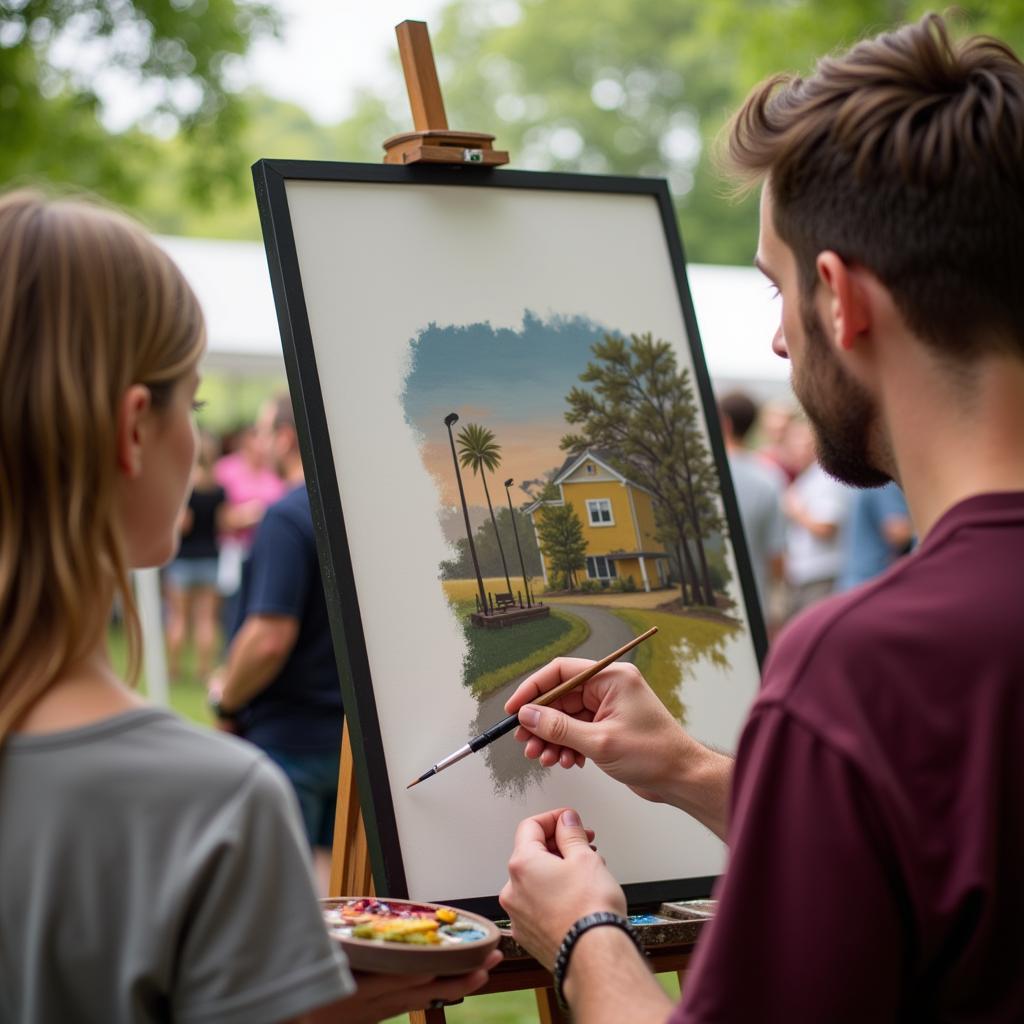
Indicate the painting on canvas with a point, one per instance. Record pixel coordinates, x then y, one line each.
511 440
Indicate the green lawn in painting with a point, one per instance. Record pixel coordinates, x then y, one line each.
681 639
497 655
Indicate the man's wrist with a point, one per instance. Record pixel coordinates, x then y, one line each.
602 920
700 785
594 950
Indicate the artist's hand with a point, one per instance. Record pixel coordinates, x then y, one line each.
555 877
380 996
614 718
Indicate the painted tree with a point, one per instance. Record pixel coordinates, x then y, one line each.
486 542
641 410
560 532
479 451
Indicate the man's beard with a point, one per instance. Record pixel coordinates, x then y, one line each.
841 411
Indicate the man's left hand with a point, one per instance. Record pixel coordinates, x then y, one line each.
555 878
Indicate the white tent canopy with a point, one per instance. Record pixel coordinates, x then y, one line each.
736 314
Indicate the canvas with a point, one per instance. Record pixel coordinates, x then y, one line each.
512 453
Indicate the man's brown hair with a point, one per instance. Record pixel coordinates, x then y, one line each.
904 155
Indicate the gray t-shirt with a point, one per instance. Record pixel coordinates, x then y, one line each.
154 871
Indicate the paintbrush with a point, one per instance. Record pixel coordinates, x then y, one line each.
508 724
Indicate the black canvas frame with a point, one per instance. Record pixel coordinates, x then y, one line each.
270 178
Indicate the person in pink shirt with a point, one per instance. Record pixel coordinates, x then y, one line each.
251 485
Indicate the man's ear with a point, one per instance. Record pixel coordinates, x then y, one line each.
135 404
849 313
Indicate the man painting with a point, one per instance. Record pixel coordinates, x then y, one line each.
873 813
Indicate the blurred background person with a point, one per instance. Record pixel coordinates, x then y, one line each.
879 531
251 484
759 489
279 688
816 507
774 436
191 579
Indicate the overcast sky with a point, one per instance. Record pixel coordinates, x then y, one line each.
331 47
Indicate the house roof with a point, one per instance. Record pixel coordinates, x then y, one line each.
531 508
602 459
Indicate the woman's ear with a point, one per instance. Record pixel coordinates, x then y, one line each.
849 312
135 405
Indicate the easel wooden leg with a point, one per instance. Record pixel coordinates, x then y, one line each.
427 1016
548 1011
350 860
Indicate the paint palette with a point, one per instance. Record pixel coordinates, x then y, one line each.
388 936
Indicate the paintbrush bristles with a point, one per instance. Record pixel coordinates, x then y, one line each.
577 680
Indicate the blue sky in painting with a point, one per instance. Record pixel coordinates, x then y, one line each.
512 381
514 374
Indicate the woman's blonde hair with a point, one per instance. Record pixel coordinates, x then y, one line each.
89 306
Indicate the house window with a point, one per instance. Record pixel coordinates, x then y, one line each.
590 468
599 511
600 568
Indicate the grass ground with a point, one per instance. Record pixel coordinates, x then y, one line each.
464 590
498 655
188 698
679 639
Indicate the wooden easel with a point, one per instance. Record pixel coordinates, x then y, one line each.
433 143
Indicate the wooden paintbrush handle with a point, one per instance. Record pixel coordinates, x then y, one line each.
570 684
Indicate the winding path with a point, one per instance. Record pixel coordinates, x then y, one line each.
504 757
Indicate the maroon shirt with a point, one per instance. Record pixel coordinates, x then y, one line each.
876 866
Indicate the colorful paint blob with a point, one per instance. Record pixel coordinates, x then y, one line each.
407 923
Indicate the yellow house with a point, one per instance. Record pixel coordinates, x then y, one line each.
618 522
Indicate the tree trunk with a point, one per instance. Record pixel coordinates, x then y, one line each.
696 591
497 536
682 573
698 534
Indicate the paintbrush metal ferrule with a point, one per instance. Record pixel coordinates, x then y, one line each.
445 762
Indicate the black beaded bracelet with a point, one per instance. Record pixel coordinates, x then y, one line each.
584 924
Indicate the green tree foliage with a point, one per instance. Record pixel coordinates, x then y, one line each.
486 542
561 538
644 87
53 54
640 409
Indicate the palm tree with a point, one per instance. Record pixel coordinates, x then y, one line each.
479 451
451 418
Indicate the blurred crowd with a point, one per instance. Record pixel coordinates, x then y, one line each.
807 534
247 569
236 479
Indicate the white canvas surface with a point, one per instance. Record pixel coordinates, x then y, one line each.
379 263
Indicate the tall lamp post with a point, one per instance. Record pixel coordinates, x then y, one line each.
515 531
451 418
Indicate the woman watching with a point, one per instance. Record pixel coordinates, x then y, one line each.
150 870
